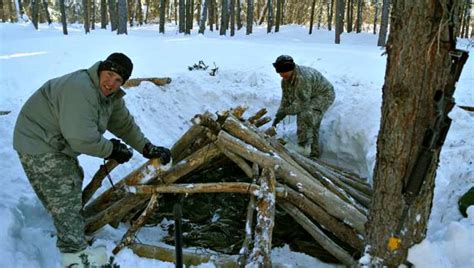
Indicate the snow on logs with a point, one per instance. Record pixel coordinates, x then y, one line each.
328 202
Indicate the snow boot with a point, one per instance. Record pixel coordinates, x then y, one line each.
91 257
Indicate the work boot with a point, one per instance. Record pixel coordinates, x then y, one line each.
91 257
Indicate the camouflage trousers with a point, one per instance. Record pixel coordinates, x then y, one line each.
308 124
57 181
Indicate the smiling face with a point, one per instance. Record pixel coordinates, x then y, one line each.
109 82
286 75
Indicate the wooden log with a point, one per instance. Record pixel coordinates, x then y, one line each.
142 175
185 141
106 213
266 202
310 187
319 215
254 118
207 120
333 183
159 81
329 245
129 237
97 179
263 121
245 250
189 258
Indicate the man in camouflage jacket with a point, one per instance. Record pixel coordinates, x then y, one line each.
66 117
307 94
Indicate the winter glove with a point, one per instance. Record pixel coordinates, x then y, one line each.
278 118
151 151
120 152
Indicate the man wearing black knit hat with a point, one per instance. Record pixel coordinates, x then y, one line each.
307 94
64 118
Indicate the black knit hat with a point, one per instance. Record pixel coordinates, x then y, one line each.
119 63
284 63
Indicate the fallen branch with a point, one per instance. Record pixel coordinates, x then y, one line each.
134 82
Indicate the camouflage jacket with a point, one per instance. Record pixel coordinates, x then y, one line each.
306 89
69 114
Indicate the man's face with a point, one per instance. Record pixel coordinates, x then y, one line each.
109 82
286 75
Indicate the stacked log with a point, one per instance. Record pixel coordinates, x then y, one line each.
329 203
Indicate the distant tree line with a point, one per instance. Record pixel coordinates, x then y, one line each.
225 16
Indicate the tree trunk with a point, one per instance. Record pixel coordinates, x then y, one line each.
270 16
86 16
224 17
278 16
182 16
232 17
211 14
46 11
122 17
384 23
414 80
35 11
339 20
103 14
350 12
238 15
360 7
250 9
376 14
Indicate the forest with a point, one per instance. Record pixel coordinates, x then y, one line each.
225 16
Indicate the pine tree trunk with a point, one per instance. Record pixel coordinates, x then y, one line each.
122 17
202 21
250 9
103 14
46 11
223 17
350 12
238 14
63 16
113 15
360 7
232 17
162 16
414 78
35 12
384 23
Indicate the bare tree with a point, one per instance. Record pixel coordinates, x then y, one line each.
350 13
239 14
211 15
103 14
312 17
279 11
360 7
46 11
417 96
122 17
182 16
330 13
224 17
376 14
162 16
384 23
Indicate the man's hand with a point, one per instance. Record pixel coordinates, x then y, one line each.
120 152
278 118
151 151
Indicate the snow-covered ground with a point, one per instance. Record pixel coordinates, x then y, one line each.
349 130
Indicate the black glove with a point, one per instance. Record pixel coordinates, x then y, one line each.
278 118
152 151
120 152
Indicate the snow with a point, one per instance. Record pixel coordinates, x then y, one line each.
28 58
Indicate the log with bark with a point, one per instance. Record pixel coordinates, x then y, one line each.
159 81
329 202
